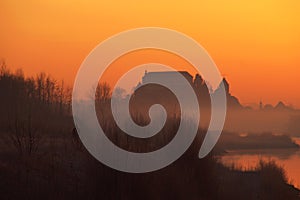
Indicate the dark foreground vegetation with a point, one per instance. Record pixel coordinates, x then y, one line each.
41 158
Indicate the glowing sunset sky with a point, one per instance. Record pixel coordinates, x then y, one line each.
256 44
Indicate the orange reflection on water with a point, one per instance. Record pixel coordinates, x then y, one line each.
289 159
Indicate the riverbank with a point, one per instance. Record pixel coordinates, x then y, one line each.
236 141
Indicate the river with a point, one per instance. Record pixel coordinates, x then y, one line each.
289 159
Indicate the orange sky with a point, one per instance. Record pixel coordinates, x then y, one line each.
256 44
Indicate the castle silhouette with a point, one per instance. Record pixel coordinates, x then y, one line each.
239 118
153 92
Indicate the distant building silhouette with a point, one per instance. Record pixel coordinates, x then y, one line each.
156 76
159 93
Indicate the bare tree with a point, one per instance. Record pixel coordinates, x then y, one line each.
103 92
24 136
4 71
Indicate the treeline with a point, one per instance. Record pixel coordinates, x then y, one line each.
42 90
31 108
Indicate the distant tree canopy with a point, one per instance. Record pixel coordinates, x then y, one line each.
41 90
31 99
39 98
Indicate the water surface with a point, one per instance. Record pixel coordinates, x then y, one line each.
289 159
